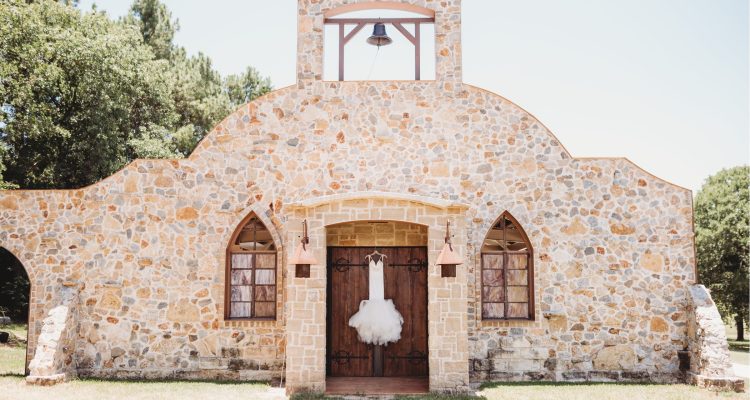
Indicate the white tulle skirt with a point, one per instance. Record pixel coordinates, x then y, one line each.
377 322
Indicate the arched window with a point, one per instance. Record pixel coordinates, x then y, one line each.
507 272
251 272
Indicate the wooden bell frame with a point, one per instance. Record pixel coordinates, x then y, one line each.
398 23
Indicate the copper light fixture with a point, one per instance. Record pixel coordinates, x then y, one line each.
448 258
303 258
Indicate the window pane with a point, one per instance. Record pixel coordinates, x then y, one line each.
265 261
242 293
492 277
517 261
493 261
493 310
240 310
255 236
242 261
265 293
493 293
265 277
242 277
518 277
263 309
518 310
519 294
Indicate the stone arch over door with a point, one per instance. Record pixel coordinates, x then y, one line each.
306 305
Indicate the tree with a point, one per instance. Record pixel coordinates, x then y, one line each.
722 208
198 91
247 86
82 95
77 91
4 185
156 25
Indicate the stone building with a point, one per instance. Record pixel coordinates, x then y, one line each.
573 268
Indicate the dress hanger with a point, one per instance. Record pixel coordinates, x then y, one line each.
376 253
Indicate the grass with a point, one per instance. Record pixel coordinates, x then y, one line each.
569 391
16 388
736 345
599 391
17 329
739 346
12 358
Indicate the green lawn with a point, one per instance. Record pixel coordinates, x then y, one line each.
573 391
12 357
731 331
16 388
12 360
17 329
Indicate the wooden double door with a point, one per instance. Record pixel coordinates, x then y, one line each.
405 272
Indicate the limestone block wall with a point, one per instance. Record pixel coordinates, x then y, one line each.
710 365
613 250
53 360
611 277
381 233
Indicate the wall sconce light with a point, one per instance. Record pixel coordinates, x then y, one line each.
302 258
448 258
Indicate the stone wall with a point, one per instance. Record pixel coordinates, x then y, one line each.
382 233
613 245
53 358
710 365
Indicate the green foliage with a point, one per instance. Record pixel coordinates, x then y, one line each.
76 89
4 185
155 23
722 209
14 287
82 95
199 97
247 86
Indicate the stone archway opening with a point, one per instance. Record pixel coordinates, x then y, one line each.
15 291
308 297
402 248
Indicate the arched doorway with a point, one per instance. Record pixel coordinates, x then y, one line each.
15 288
402 247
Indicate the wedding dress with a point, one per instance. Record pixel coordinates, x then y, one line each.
377 321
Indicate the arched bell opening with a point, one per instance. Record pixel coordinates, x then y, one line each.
379 41
15 292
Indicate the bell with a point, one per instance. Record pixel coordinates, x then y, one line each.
379 37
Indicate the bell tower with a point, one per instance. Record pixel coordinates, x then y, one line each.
313 14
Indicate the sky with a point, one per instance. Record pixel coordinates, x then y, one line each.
663 83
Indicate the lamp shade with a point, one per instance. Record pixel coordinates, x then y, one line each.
448 256
302 256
